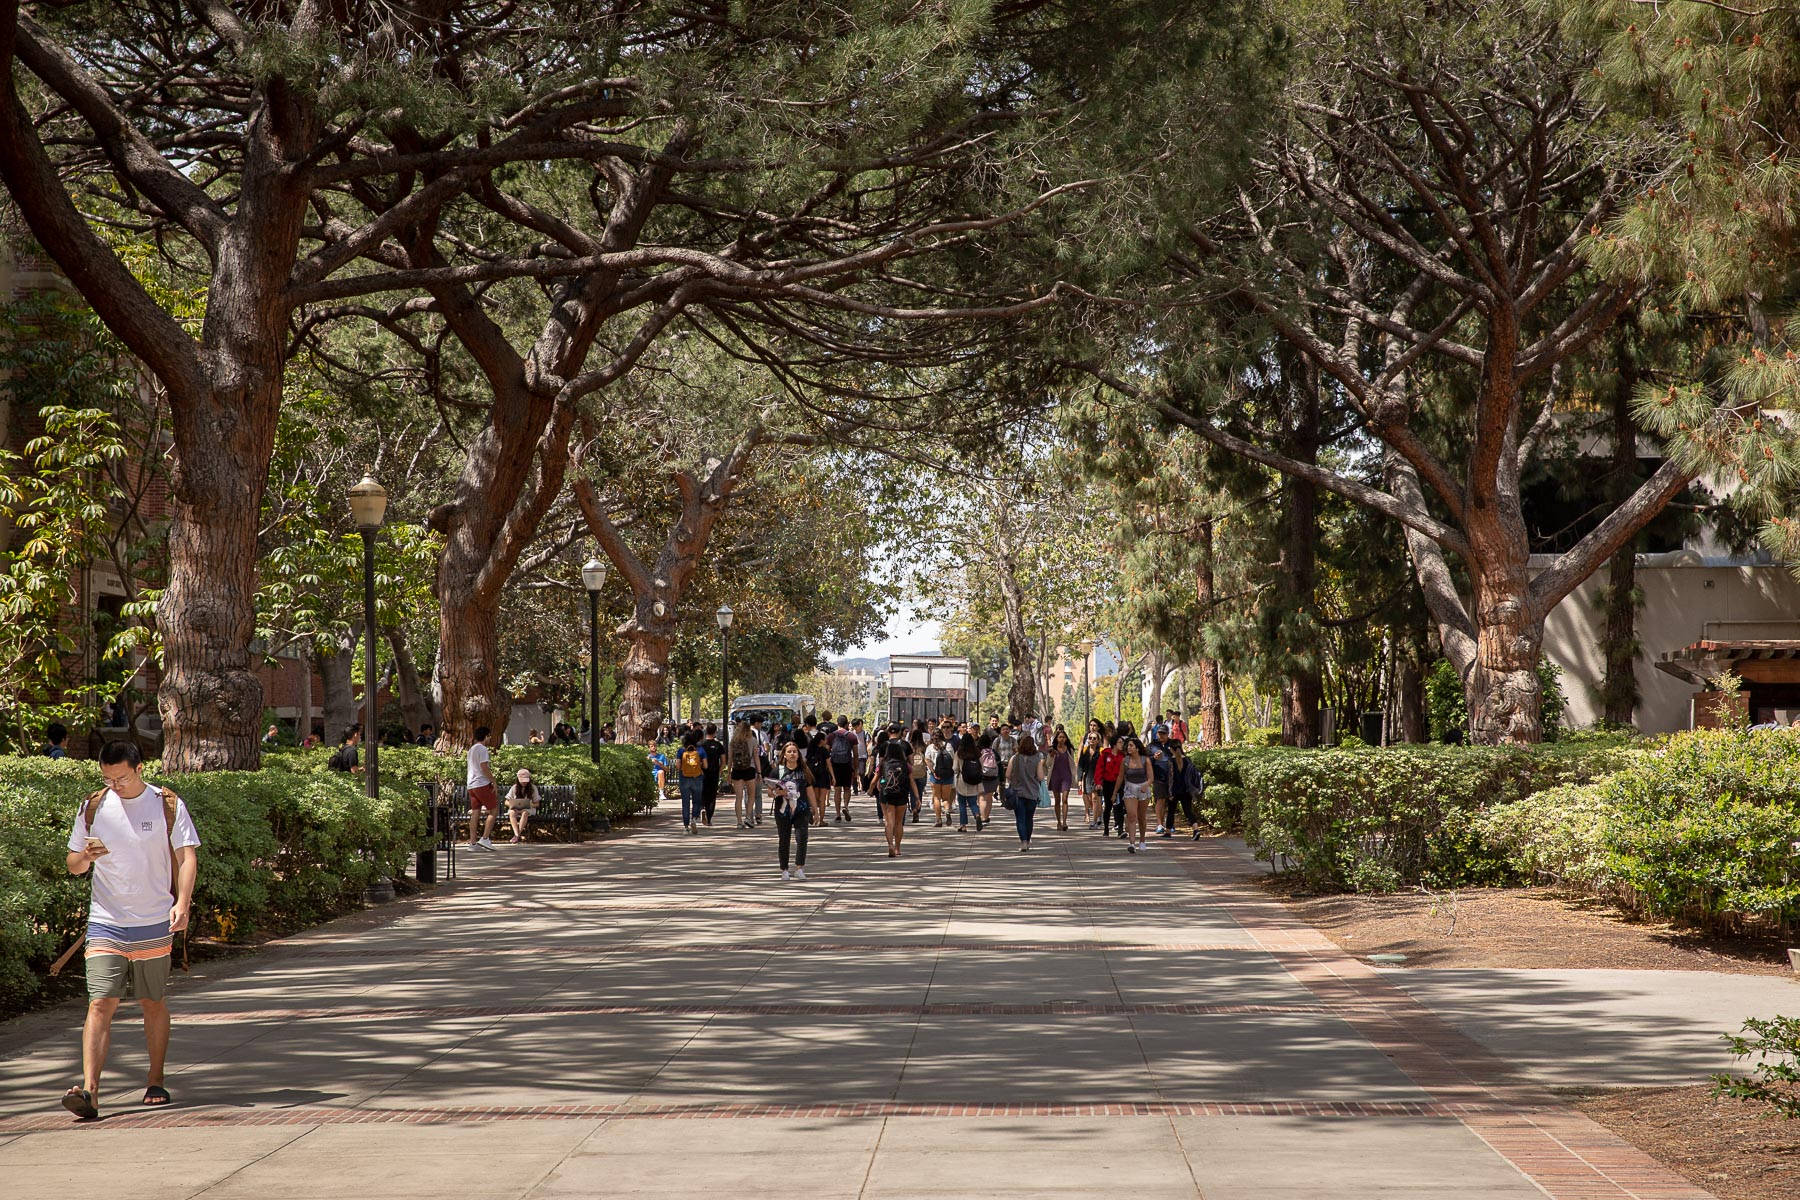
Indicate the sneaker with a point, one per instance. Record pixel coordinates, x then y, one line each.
786 875
1131 847
1196 835
1158 831
800 874
1024 846
486 843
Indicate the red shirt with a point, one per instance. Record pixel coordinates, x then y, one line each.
1110 764
1178 730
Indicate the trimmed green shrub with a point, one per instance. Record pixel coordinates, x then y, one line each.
1377 819
1556 834
1704 830
280 849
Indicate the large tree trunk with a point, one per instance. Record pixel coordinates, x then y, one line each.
1021 700
648 640
1301 687
1409 685
657 593
1155 673
1212 729
337 665
415 705
466 676
1619 598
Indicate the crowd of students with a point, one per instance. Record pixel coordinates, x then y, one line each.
802 775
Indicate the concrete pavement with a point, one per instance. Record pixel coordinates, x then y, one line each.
660 1015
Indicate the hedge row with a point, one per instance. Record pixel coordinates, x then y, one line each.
1702 829
1378 819
620 785
280 850
283 847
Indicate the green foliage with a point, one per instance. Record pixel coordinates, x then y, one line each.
280 849
1775 1080
1447 705
1379 819
620 785
55 500
1556 834
1703 830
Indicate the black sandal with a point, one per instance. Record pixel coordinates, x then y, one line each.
155 1096
80 1101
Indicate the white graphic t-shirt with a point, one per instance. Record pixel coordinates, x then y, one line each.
133 881
478 754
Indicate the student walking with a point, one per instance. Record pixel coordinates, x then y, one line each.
894 789
818 763
743 754
483 795
990 773
521 801
1062 777
842 746
969 784
1134 792
1024 775
918 769
690 777
943 777
791 789
1085 765
140 845
1188 788
1106 775
714 750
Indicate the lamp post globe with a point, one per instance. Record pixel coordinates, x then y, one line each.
368 506
723 616
593 578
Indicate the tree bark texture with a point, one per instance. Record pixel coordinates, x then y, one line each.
415 705
1619 598
1409 685
1022 699
1302 687
336 667
658 590
1211 715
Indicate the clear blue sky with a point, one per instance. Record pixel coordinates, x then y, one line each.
905 634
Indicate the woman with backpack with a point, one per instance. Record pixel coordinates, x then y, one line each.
818 762
1024 774
943 777
968 783
1085 765
918 768
990 773
1062 777
690 776
894 789
742 755
791 788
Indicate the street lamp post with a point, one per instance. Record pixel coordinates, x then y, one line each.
724 618
593 577
1087 698
368 505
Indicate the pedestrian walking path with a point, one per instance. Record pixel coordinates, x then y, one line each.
660 1015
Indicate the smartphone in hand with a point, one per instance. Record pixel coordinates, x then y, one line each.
97 848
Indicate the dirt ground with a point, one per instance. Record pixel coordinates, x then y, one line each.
1726 1146
1521 927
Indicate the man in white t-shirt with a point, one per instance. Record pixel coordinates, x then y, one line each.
482 792
140 844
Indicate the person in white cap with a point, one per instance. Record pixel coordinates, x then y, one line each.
521 802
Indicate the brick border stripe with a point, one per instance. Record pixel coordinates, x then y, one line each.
410 951
1052 1008
1567 1155
201 1118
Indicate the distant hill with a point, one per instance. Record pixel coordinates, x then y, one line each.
877 665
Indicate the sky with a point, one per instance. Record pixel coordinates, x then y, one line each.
905 634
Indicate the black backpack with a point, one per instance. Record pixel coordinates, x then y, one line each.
843 747
971 770
946 764
892 785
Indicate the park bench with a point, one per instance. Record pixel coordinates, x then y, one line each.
556 811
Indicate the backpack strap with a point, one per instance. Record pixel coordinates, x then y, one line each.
169 802
91 808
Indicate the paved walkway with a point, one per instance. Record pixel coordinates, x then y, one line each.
659 1015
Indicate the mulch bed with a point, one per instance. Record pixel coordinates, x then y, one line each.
1726 1146
1520 927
